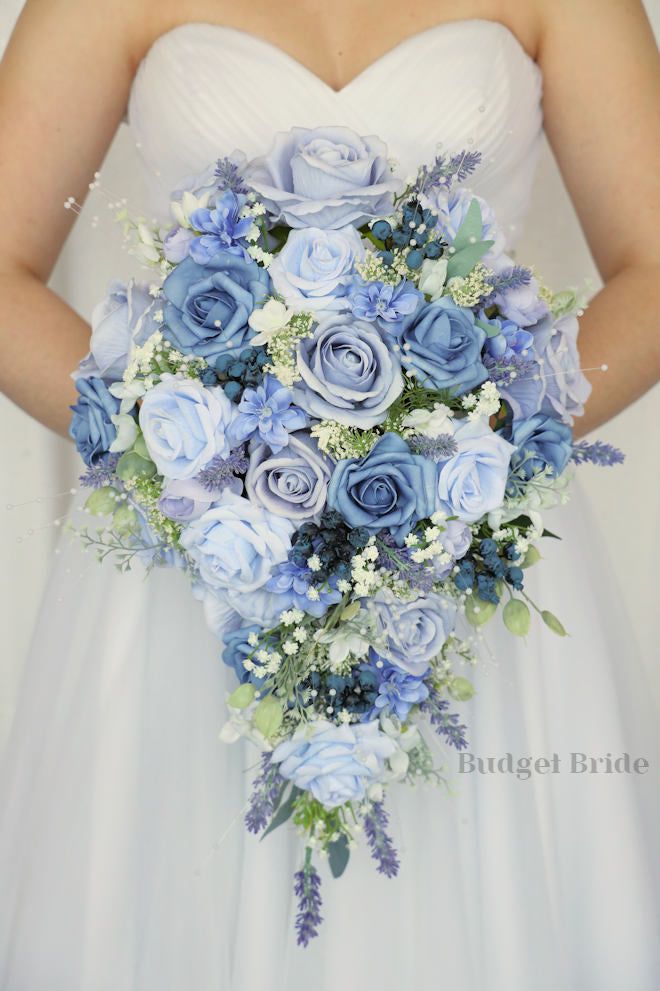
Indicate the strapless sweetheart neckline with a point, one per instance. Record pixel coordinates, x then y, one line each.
398 48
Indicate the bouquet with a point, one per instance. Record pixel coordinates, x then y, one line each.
342 409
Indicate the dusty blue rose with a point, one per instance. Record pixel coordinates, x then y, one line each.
207 307
335 763
441 345
389 489
472 482
92 428
541 442
415 631
327 177
185 425
315 267
236 650
236 544
292 483
120 320
348 372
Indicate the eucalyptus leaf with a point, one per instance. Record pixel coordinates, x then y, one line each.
242 696
268 716
140 447
338 855
517 617
461 689
462 262
489 328
102 501
471 229
531 557
131 465
284 812
553 623
478 612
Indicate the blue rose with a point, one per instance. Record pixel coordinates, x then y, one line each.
208 306
326 177
384 304
415 632
389 489
472 482
236 545
441 346
92 428
185 425
541 442
236 650
314 269
118 321
348 373
337 764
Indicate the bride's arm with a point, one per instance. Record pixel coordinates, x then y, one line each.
64 83
602 115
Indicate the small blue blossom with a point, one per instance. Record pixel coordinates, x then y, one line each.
398 692
266 412
384 303
293 583
221 227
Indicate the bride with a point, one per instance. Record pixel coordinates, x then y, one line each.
123 862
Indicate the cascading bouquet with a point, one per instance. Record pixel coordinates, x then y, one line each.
341 408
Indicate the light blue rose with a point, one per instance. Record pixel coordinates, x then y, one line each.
337 764
236 544
415 631
472 482
348 373
327 177
566 387
292 483
207 307
314 269
389 489
441 345
119 321
541 442
185 425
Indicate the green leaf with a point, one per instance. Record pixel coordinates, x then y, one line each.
268 716
125 520
472 227
140 447
489 328
516 617
553 623
549 533
461 689
103 501
351 611
531 557
338 855
462 262
478 612
131 465
242 696
284 812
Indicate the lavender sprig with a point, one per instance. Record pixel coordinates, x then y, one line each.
100 474
266 791
307 889
220 471
504 371
445 723
398 560
376 821
597 453
444 171
513 277
229 176
438 448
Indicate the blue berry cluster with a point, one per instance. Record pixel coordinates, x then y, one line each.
481 572
332 541
417 243
356 691
242 371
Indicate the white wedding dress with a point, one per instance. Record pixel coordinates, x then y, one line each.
124 864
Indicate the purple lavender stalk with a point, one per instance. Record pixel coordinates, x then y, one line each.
376 821
444 723
307 889
597 453
220 471
266 791
103 473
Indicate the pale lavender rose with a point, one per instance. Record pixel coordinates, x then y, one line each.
327 177
522 304
236 544
566 387
292 483
176 244
119 321
314 269
185 499
348 373
472 482
451 206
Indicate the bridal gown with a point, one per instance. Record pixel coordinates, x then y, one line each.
124 863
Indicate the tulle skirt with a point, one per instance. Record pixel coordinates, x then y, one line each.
125 865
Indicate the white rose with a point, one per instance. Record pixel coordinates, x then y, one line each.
432 277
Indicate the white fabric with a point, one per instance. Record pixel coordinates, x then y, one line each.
124 863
